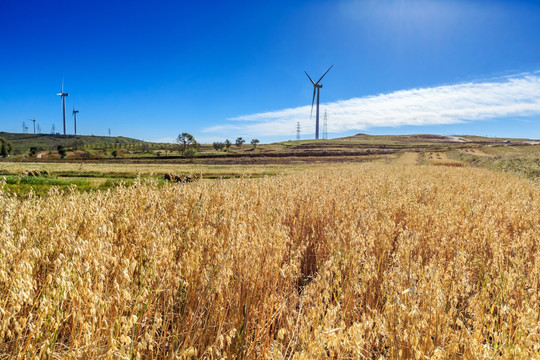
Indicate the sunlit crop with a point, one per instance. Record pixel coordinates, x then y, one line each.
353 262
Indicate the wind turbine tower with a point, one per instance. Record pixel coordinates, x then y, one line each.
75 118
63 95
325 125
316 90
34 121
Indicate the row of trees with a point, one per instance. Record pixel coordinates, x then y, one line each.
188 146
239 142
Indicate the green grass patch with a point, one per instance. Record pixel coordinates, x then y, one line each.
40 180
40 186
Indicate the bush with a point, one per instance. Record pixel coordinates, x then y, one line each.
190 152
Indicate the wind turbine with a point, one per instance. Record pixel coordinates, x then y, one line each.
63 95
34 120
75 118
316 89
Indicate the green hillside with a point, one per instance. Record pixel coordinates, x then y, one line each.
44 142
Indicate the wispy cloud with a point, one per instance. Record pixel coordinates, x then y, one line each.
510 96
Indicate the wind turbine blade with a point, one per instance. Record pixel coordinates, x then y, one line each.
312 102
325 74
309 77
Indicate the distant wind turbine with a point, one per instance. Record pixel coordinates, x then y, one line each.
63 95
34 120
316 89
75 118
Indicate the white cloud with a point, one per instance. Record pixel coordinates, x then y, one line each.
510 96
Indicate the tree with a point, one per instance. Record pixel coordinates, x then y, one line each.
254 142
32 151
218 146
239 142
5 147
115 154
227 144
186 141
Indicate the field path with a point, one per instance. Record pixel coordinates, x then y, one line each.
408 158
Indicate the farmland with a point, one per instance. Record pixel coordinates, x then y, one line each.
357 260
103 176
90 165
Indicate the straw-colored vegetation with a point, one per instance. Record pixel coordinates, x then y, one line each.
352 262
408 158
440 159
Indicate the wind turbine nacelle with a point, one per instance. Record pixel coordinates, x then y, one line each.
319 86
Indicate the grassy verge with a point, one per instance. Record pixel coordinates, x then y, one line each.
526 165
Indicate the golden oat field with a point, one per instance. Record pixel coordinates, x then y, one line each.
355 261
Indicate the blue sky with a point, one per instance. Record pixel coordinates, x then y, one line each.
223 69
